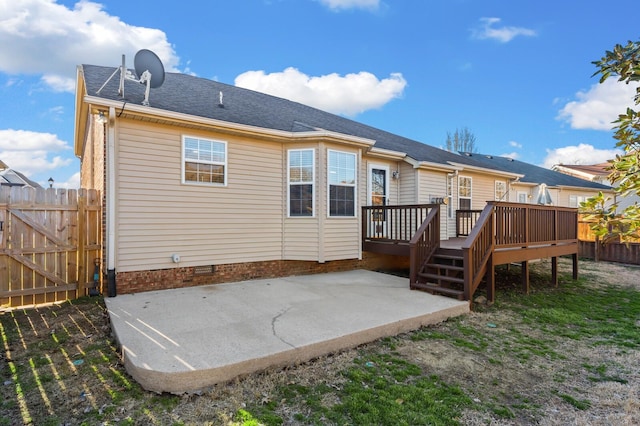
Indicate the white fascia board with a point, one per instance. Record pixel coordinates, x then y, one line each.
427 165
583 188
97 103
484 170
386 153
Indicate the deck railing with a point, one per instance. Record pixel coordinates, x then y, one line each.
424 243
393 223
477 250
465 221
509 227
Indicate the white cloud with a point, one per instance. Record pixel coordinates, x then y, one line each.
580 154
351 4
598 107
487 30
515 144
350 94
513 155
72 183
43 37
32 152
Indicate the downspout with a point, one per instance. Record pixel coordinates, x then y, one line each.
111 200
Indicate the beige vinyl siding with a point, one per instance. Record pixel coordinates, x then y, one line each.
158 216
565 193
482 189
342 238
408 188
301 241
519 188
433 184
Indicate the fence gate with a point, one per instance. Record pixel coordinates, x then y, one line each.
49 241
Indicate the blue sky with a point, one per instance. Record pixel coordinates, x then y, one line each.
517 74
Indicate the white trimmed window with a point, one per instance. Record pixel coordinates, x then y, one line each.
301 178
341 172
575 200
204 161
464 193
500 190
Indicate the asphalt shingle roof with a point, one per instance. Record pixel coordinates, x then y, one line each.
201 97
532 173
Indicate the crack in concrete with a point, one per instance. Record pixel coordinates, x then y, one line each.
273 326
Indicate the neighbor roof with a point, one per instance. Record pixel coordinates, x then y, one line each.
592 169
10 177
532 174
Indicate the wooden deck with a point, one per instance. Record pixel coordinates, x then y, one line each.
503 233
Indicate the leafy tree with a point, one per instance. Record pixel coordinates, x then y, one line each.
624 63
461 140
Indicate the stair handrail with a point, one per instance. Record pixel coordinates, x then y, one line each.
424 243
477 249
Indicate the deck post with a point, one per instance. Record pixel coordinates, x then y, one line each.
490 277
575 266
554 271
525 276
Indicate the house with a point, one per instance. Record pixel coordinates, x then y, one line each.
10 177
210 183
597 173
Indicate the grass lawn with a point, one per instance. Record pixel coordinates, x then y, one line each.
565 355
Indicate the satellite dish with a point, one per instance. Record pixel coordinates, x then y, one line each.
146 60
149 71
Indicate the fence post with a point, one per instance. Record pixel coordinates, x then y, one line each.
82 231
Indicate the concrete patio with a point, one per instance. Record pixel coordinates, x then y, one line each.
186 340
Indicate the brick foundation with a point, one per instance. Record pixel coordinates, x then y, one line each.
162 279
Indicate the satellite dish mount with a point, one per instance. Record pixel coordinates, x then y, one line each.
149 71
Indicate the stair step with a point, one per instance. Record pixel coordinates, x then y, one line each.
447 256
432 288
444 266
437 278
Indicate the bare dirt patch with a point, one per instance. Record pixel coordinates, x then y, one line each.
59 366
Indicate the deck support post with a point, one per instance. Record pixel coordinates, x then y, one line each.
554 271
575 266
490 277
525 276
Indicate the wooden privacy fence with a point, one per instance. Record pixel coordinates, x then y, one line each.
50 240
614 251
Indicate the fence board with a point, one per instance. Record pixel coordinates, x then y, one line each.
49 239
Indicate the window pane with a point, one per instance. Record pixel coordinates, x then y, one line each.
204 161
341 200
342 168
301 200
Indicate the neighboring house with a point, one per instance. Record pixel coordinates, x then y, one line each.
597 173
10 177
212 183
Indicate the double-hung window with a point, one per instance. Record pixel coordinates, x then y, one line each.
464 193
301 179
500 190
341 172
575 200
204 161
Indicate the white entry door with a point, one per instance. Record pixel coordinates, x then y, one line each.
379 196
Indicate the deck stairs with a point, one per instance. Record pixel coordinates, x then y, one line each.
443 274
